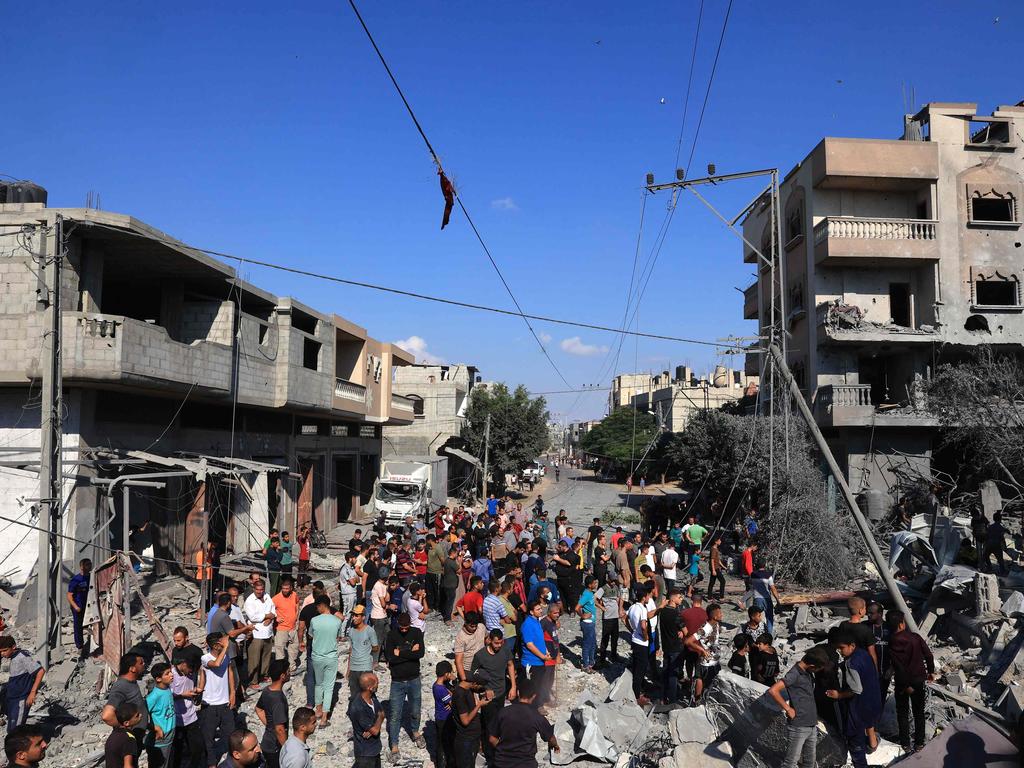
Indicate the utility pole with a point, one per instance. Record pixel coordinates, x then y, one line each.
487 452
881 565
51 469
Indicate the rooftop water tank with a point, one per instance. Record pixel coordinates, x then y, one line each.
21 192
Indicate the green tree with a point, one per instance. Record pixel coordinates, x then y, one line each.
622 436
519 429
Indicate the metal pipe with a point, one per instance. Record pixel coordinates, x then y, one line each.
862 524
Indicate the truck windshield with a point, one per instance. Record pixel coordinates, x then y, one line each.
397 492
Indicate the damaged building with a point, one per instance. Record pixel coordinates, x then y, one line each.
674 401
898 254
266 411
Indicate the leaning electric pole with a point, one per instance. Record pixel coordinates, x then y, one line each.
487 451
51 470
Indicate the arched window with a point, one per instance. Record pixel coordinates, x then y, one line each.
417 405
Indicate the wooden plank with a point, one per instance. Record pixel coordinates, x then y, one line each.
803 598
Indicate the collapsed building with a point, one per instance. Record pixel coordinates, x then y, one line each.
249 409
896 254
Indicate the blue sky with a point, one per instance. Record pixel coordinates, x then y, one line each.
271 130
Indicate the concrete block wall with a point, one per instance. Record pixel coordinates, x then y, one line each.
257 363
18 280
208 320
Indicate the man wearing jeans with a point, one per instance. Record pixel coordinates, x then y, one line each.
672 634
639 641
216 679
587 611
403 649
347 581
801 711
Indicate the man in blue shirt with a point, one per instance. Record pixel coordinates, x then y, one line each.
492 506
78 593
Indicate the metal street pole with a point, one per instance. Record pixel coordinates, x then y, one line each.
487 452
862 524
51 481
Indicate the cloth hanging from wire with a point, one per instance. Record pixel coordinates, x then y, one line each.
449 197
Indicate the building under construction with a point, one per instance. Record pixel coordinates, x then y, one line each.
245 409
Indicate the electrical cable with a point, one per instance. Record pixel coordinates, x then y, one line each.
415 295
711 79
458 198
689 82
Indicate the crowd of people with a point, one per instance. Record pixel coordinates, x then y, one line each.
505 581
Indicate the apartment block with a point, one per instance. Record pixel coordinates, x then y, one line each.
674 401
899 254
169 356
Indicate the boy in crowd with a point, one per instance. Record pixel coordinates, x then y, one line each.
160 703
857 695
188 738
272 710
913 666
801 711
26 676
739 662
765 660
122 749
444 725
296 753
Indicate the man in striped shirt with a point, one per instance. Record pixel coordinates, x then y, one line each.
495 614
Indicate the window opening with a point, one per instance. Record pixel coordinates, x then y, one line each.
311 354
995 293
899 303
992 209
994 132
417 405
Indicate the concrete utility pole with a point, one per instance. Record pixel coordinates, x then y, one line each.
862 524
51 469
487 451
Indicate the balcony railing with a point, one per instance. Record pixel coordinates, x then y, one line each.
399 403
855 227
844 396
347 390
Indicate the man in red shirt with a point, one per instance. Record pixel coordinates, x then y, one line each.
303 539
694 618
748 564
615 538
473 600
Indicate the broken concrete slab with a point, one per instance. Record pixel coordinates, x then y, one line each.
622 722
956 682
986 594
692 726
755 722
991 499
955 578
567 744
967 743
622 688
1013 605
717 755
1011 703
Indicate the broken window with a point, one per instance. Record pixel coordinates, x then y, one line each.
794 224
989 132
417 405
311 354
993 208
899 304
996 293
977 323
263 329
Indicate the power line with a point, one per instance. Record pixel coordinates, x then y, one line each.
711 79
409 294
458 198
689 82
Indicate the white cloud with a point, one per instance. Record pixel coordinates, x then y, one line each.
575 346
504 204
417 345
545 337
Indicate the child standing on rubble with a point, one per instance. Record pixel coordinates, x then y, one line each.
801 710
26 674
857 695
160 702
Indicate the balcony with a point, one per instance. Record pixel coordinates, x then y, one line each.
850 405
750 302
858 241
349 396
844 324
874 164
402 410
124 350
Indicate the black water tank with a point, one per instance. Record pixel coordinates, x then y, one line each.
21 192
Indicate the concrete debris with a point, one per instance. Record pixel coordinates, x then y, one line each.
955 578
967 743
692 726
956 682
602 730
986 594
622 688
991 499
718 755
908 546
1011 703
1013 606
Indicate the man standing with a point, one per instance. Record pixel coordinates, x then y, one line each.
259 612
587 611
801 711
363 650
669 563
639 644
492 664
716 569
286 636
296 752
367 717
403 650
272 710
706 644
595 530
621 559
857 694
325 629
673 632
435 569
565 563
25 746
222 623
468 700
450 575
515 732
125 690
306 616
243 750
609 603
78 593
914 666
468 641
347 581
216 680
880 630
762 583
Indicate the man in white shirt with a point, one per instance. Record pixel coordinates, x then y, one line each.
640 634
259 611
217 683
669 561
347 581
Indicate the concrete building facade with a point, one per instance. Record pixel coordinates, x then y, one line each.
167 353
675 401
898 254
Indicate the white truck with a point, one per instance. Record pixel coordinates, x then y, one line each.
415 486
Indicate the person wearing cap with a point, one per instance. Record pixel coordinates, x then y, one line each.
364 649
493 663
403 649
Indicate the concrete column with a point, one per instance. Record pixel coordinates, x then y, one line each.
91 280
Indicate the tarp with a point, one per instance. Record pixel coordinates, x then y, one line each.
466 457
905 546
